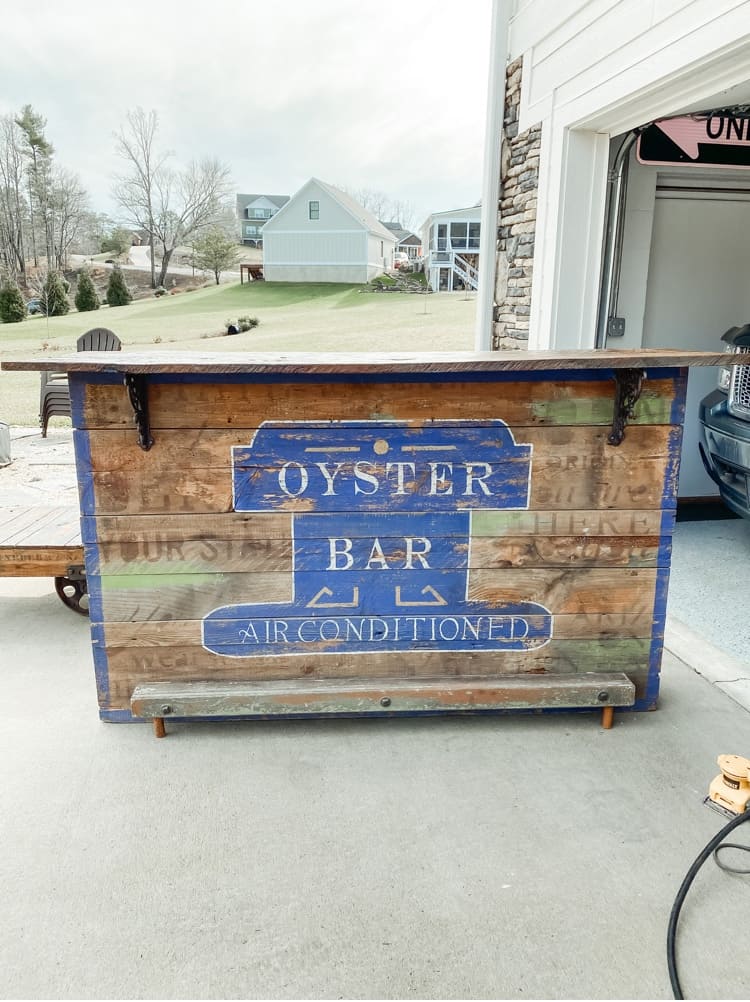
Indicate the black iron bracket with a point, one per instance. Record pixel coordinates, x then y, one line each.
137 387
628 384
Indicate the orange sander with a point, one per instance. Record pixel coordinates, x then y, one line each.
729 793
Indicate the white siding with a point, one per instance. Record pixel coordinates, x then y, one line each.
304 247
333 216
379 260
593 69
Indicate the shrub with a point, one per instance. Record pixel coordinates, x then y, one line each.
53 300
240 324
118 293
12 305
160 291
86 298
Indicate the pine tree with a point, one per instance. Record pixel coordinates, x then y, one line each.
86 297
12 305
53 300
118 293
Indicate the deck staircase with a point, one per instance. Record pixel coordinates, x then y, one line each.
466 271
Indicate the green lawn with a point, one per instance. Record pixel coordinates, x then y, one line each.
293 317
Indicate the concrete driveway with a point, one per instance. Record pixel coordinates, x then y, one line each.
489 857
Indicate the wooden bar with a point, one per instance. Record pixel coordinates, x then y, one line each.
271 535
347 696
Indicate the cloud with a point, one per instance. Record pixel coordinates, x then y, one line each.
388 96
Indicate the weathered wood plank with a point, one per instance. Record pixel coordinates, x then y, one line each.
32 525
583 626
593 689
273 525
195 492
421 363
39 561
131 598
129 666
199 406
573 468
250 555
592 590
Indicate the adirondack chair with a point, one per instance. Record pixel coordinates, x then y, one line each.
54 395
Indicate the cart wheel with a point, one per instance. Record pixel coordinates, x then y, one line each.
74 594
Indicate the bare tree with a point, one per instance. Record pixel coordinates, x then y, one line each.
135 191
68 209
188 203
383 207
13 208
171 205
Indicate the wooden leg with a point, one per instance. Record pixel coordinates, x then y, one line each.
608 717
160 730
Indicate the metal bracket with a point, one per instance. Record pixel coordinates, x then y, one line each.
137 387
75 572
628 384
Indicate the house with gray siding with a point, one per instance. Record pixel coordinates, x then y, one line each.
324 235
253 212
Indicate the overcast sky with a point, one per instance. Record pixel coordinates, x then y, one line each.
389 96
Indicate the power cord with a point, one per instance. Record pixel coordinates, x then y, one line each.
713 846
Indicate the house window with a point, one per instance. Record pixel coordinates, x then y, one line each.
260 214
314 210
474 235
458 235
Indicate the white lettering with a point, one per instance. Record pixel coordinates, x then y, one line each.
335 551
400 468
335 632
454 627
377 557
359 474
441 473
300 634
412 554
330 477
471 477
302 479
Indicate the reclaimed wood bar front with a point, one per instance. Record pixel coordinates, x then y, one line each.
320 534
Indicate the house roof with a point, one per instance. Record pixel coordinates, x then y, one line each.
244 200
355 209
398 231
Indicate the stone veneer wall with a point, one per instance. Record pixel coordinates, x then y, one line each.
519 182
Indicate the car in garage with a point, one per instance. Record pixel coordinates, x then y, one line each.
725 427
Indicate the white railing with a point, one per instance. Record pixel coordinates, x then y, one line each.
465 271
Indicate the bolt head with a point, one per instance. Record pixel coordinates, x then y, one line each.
164 710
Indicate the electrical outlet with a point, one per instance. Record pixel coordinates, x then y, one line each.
616 327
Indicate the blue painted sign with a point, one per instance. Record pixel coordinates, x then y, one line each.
381 524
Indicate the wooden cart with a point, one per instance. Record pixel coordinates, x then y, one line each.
318 534
45 541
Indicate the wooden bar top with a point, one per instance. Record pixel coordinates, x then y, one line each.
364 363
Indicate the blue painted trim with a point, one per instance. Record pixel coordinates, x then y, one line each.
505 376
677 415
91 556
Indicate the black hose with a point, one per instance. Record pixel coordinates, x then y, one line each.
681 894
